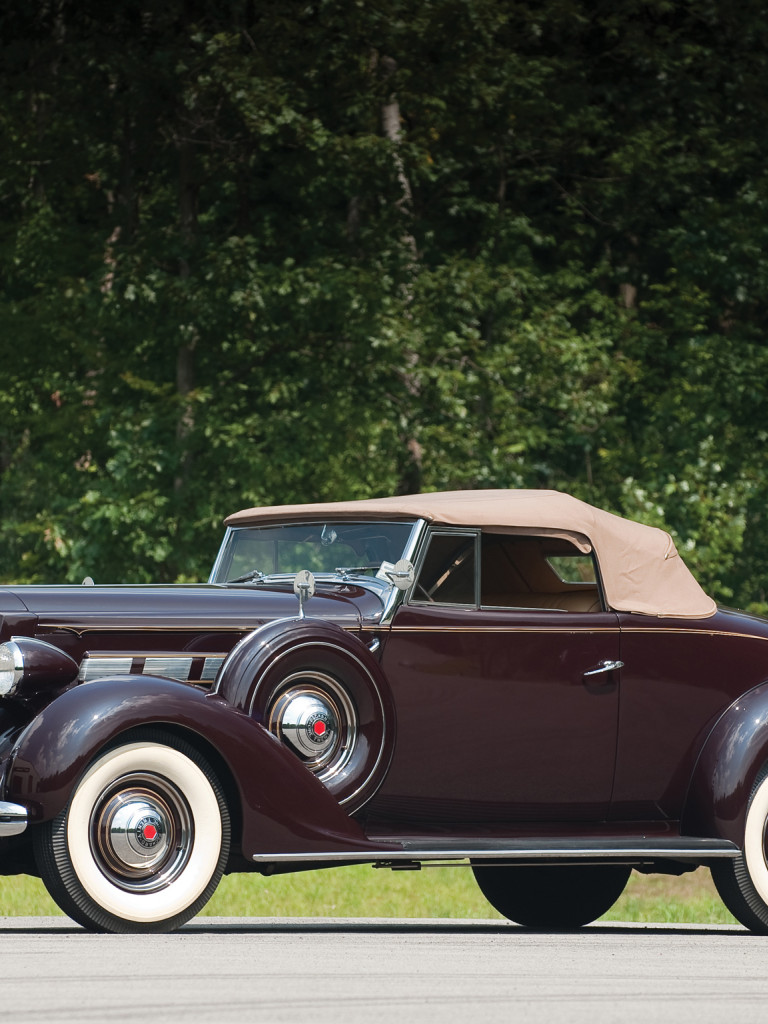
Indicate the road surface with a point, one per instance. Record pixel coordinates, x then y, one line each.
321 971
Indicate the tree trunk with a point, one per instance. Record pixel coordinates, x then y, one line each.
185 367
410 475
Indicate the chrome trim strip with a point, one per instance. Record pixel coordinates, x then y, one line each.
174 666
104 665
653 630
524 849
162 665
13 819
561 628
353 627
80 631
139 626
211 667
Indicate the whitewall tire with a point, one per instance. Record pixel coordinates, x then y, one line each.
144 840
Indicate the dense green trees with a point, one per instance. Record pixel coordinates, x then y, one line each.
258 251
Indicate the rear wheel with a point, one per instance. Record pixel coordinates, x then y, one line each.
743 881
143 841
552 897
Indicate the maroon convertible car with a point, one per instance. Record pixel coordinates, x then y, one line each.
512 680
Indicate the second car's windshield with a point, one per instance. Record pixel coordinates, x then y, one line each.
320 547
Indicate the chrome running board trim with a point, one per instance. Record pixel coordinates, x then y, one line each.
687 849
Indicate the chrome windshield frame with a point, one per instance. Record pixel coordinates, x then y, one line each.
389 595
223 547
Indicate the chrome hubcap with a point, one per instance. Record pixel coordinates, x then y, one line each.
315 717
141 832
308 723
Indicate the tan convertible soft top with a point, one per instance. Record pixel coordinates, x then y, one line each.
640 567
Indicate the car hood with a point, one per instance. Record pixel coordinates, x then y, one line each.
85 609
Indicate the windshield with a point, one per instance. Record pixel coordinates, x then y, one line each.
359 548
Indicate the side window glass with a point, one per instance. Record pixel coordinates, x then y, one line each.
537 573
448 573
573 568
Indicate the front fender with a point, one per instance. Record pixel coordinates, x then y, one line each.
284 807
722 781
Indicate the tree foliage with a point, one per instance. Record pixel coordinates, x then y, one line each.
263 252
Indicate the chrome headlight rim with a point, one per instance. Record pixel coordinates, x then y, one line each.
11 667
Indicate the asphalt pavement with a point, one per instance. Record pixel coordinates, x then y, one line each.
323 971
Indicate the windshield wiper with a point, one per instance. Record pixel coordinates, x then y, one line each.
347 571
254 574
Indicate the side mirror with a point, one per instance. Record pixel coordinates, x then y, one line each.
402 574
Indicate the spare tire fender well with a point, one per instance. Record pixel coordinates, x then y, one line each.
291 663
251 656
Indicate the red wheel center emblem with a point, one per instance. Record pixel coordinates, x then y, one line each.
319 728
150 832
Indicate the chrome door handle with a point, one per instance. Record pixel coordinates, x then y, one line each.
604 666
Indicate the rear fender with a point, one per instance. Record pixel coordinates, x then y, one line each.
722 781
284 807
294 656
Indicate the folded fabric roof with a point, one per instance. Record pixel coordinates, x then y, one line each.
640 566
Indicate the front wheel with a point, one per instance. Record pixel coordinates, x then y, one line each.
743 881
143 841
552 897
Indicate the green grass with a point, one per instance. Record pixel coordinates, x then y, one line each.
362 891
689 899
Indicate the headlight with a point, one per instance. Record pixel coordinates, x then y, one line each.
11 667
28 666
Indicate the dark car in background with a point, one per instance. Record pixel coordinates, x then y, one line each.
510 680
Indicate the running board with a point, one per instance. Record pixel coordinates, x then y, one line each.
630 850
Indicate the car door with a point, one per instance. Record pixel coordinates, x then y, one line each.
506 713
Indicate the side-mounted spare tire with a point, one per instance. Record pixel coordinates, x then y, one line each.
322 693
143 841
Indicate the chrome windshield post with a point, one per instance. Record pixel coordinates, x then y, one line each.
396 596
